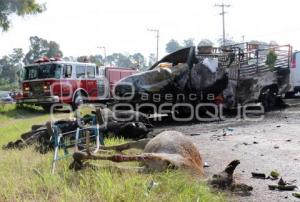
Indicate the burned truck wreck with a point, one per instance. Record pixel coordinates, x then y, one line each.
232 75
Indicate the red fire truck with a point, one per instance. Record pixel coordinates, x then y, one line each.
52 81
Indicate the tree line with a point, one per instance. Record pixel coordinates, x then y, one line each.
11 65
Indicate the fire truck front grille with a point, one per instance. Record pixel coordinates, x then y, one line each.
37 89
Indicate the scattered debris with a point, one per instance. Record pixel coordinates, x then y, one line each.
227 131
41 135
282 186
259 175
224 180
274 174
292 182
195 134
281 182
297 195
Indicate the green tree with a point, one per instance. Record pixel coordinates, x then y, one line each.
70 59
123 60
151 60
41 47
53 50
172 46
11 66
115 59
18 7
110 60
138 60
205 42
4 68
17 64
17 56
97 59
83 59
228 41
188 42
119 60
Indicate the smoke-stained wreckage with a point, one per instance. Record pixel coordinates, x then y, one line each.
129 124
239 74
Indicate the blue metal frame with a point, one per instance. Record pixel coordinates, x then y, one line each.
57 136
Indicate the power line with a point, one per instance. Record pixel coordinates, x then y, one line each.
223 17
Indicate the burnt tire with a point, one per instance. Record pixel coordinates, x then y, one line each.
269 99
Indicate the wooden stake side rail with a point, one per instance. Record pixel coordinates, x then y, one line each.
243 61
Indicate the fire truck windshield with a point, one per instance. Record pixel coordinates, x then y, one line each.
42 71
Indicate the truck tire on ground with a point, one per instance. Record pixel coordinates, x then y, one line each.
269 99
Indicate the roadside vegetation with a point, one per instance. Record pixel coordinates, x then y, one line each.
25 174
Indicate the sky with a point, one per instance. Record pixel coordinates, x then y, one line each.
121 25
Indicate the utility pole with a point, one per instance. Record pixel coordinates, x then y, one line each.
243 38
157 40
223 18
104 50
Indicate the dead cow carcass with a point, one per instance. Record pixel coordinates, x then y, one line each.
168 150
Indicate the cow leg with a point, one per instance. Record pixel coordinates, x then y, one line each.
139 144
111 168
81 157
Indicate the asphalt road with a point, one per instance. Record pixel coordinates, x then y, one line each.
261 146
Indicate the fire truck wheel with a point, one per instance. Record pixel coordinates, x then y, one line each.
78 100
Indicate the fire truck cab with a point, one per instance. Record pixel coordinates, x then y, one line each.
52 81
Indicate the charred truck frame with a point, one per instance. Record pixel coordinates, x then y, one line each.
231 75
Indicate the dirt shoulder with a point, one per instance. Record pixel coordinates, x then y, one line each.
261 146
